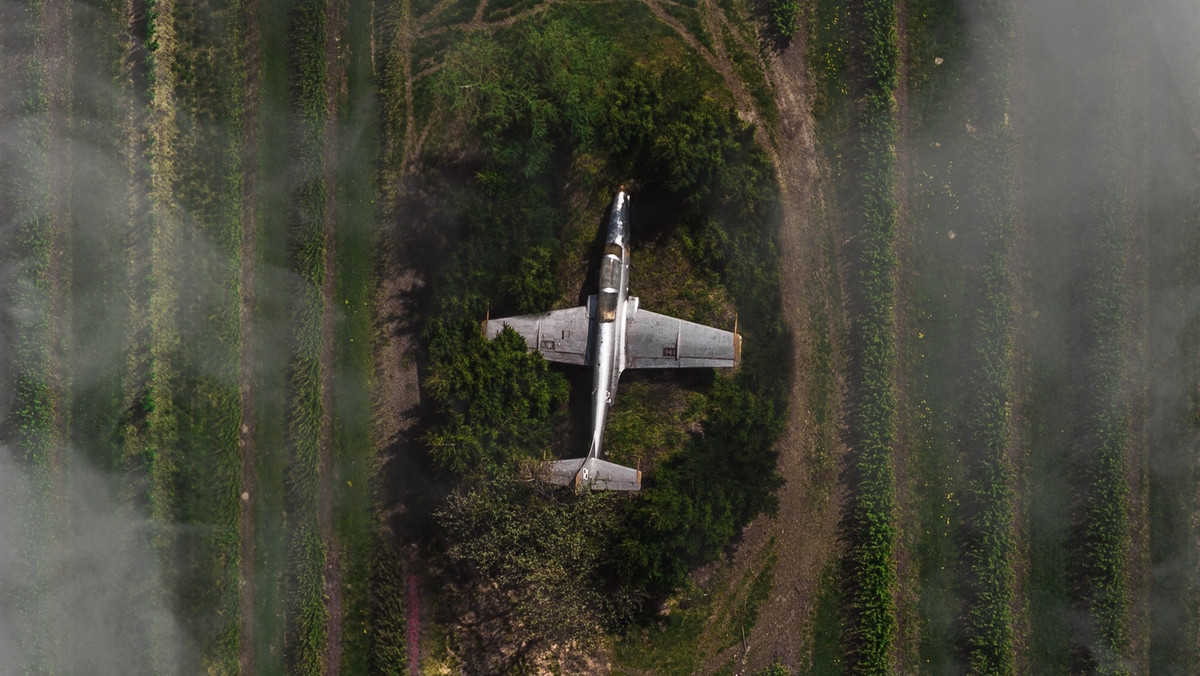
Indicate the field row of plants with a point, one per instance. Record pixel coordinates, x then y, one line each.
985 517
1099 540
36 423
131 255
868 170
310 437
195 324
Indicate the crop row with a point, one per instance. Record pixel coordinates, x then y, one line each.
308 248
1097 558
868 531
37 396
194 404
1098 544
986 539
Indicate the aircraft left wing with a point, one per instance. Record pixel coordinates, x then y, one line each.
561 335
658 341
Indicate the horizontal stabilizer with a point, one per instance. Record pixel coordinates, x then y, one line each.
594 473
562 472
609 476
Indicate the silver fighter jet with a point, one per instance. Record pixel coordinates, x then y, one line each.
611 334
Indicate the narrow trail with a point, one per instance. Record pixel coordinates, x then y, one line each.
805 529
908 573
333 568
246 371
55 53
395 393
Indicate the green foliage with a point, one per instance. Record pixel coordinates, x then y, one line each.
660 117
986 537
307 245
861 38
389 616
529 287
698 499
785 17
535 560
530 93
495 397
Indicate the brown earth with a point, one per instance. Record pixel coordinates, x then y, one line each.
806 525
805 528
246 426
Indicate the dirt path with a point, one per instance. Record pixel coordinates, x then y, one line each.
54 51
805 529
907 642
333 568
246 427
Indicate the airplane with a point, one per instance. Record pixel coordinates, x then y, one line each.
612 334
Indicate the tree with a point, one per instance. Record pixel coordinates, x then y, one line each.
495 398
534 559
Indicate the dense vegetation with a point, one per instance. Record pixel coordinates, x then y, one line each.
986 537
557 97
867 171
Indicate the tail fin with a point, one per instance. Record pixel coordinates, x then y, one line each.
594 473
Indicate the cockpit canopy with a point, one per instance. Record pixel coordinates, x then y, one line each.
610 282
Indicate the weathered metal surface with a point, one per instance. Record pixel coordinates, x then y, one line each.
610 333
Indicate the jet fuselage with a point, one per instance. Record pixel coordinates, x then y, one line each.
609 320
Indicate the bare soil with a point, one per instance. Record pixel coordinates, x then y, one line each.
333 569
806 525
246 427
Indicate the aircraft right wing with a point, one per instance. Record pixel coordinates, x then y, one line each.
658 341
561 335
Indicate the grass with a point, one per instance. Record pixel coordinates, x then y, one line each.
271 314
746 614
307 247
355 245
867 524
668 644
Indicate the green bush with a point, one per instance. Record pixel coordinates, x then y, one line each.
785 17
494 397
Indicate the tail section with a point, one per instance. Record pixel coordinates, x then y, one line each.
594 473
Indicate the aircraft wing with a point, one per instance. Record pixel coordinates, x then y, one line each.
561 335
658 341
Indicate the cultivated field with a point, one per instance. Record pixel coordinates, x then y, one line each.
249 423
